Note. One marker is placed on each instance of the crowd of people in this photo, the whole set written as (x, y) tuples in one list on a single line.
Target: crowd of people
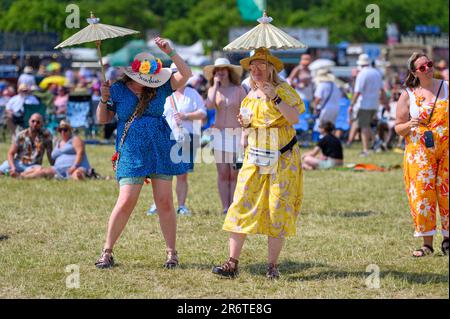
[(255, 139)]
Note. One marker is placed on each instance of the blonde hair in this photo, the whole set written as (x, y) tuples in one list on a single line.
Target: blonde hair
[(274, 78), (411, 80)]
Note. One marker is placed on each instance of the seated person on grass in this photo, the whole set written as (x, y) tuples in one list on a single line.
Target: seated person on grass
[(328, 152), (69, 156), (27, 151)]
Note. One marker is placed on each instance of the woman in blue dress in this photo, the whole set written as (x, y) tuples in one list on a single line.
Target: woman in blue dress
[(147, 150)]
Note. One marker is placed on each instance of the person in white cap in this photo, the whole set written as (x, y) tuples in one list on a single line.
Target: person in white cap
[(27, 77), (144, 145), (366, 98), (15, 108), (225, 95)]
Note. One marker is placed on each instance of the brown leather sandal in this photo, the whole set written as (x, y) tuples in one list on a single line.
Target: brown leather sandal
[(423, 251), (106, 259), (172, 259), (272, 271), (227, 270)]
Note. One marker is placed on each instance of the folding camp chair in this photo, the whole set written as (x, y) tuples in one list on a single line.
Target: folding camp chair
[(78, 109), (30, 109)]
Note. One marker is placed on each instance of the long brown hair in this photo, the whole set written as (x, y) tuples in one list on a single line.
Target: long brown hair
[(235, 80), (411, 80), (148, 93)]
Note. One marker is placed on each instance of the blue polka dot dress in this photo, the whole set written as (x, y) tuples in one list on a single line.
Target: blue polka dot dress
[(148, 144)]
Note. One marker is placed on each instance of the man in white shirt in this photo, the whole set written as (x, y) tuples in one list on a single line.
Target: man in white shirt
[(367, 94), (326, 98), (15, 107)]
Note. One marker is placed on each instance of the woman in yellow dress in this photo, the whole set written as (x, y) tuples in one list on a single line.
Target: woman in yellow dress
[(269, 190)]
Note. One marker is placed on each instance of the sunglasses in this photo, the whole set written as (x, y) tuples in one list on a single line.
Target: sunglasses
[(261, 67), (422, 68), (63, 130), (35, 121)]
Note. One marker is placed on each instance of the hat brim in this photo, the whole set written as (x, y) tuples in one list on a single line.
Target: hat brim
[(270, 58), (324, 78), (149, 80), (236, 71), (359, 62)]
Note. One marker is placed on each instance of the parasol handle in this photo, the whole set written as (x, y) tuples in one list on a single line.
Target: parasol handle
[(99, 52)]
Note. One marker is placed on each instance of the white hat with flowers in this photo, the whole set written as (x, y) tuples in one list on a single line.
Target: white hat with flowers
[(148, 70)]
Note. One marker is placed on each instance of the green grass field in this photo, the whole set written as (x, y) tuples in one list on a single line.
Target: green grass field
[(348, 222)]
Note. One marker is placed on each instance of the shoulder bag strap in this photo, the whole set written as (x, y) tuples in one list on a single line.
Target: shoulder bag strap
[(328, 98), (127, 127), (435, 101)]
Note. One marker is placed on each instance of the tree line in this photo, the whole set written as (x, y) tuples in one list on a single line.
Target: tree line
[(186, 21)]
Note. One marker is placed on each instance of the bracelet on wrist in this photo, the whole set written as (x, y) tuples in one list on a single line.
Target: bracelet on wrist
[(277, 100), (172, 53)]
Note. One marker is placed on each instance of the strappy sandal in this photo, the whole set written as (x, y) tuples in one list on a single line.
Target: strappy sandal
[(444, 246), (227, 270), (272, 271), (106, 259), (423, 251), (172, 259)]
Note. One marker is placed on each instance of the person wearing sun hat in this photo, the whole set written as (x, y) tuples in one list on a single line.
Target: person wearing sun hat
[(225, 95), (14, 109), (268, 194), (326, 98), (144, 145)]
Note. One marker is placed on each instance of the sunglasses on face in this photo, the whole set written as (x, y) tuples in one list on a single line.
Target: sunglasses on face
[(423, 67), (261, 67), (63, 130)]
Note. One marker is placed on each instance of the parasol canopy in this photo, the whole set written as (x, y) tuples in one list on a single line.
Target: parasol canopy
[(96, 32), (265, 35)]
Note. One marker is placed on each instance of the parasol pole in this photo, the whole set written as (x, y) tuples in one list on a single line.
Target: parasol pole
[(265, 52), (99, 53)]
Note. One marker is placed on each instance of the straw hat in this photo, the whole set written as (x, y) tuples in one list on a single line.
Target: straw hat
[(235, 70), (363, 59), (64, 124), (262, 54), (148, 71), (324, 75), (23, 88)]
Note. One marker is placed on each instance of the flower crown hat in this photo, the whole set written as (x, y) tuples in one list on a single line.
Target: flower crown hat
[(148, 70)]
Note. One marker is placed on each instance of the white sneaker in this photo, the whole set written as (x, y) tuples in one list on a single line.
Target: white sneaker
[(152, 210), (183, 211)]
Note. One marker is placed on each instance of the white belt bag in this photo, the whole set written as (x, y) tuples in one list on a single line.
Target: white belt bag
[(262, 157)]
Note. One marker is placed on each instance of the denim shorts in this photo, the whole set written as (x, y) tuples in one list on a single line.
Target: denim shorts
[(328, 163), (20, 167), (140, 180)]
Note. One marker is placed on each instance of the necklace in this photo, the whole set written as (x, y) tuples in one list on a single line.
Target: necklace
[(420, 98)]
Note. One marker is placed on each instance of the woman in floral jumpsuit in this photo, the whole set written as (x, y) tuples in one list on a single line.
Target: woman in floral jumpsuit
[(425, 163)]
